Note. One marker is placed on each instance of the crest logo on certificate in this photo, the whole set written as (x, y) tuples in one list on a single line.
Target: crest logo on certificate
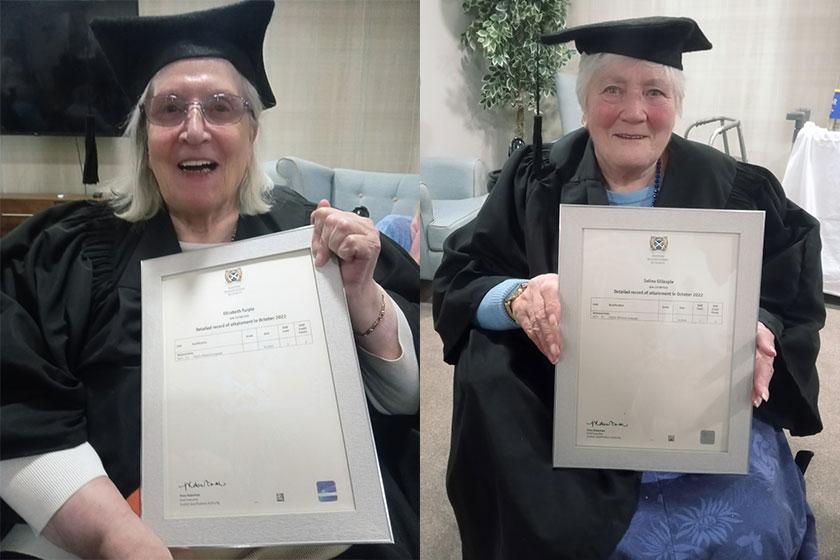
[(658, 242), (233, 275)]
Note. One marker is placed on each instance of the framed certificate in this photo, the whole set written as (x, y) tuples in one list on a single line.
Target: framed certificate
[(659, 312), (255, 422)]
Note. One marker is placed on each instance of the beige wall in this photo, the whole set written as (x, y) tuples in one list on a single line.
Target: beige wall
[(769, 57), (344, 72), (451, 122)]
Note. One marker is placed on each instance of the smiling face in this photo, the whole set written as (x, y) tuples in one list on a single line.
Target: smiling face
[(199, 166), (630, 113)]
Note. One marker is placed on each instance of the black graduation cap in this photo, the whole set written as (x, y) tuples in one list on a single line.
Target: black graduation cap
[(137, 47), (657, 39)]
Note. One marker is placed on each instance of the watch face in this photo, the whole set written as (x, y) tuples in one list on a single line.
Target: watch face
[(512, 297)]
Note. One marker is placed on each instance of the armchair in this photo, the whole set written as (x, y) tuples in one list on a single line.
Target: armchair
[(452, 192), (381, 193)]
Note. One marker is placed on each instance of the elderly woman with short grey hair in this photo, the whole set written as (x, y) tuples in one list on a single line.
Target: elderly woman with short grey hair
[(71, 291), (590, 64), (497, 308)]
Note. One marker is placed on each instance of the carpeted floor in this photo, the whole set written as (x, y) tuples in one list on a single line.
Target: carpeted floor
[(439, 533)]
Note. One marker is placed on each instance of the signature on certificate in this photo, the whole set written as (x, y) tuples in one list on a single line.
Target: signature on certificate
[(607, 424), (193, 484)]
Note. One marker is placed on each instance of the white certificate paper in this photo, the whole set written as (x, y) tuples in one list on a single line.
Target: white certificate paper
[(659, 317), (255, 425), (247, 382), (648, 316)]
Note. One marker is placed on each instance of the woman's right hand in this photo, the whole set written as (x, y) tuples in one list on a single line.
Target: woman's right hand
[(537, 311)]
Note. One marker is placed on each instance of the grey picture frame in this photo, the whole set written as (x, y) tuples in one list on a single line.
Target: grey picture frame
[(568, 451), (369, 521)]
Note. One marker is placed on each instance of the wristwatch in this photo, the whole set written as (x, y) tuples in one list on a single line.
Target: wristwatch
[(512, 297)]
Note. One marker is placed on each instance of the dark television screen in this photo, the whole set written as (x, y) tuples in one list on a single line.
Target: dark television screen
[(52, 73)]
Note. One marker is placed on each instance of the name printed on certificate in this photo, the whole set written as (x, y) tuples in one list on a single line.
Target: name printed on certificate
[(251, 424), (656, 307)]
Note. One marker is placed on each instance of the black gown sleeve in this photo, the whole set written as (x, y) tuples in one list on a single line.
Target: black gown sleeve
[(50, 284), (481, 254), (508, 499), (791, 303)]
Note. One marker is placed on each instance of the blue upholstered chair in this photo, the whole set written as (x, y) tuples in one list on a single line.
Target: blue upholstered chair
[(381, 193), (451, 194)]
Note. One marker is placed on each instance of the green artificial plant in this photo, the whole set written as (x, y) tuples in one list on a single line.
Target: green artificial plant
[(507, 33)]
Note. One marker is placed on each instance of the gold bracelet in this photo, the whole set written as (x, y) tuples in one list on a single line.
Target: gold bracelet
[(378, 318)]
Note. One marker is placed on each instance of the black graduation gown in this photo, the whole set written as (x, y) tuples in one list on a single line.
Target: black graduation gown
[(71, 343), (508, 500)]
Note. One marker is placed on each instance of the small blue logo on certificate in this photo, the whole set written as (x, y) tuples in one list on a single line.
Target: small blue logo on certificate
[(326, 491)]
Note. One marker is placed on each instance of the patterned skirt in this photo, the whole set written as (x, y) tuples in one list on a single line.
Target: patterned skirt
[(761, 515)]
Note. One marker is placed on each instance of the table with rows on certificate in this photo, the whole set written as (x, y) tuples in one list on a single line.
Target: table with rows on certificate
[(630, 309), (244, 340)]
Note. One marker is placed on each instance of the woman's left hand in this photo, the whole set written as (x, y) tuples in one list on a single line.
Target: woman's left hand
[(765, 353), (355, 240)]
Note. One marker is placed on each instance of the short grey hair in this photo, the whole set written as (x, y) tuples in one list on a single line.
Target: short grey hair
[(137, 196), (591, 63)]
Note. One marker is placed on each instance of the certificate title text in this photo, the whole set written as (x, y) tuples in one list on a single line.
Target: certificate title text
[(239, 317), (658, 287)]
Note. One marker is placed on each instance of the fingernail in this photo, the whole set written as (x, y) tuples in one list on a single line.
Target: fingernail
[(757, 402), (552, 320), (554, 350), (765, 395)]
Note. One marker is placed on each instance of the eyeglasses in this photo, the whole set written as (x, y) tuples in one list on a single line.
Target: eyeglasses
[(218, 108)]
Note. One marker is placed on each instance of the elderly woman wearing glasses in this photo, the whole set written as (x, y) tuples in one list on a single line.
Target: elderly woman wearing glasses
[(497, 309), (71, 300)]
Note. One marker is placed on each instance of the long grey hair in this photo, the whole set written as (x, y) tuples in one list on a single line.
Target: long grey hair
[(137, 196)]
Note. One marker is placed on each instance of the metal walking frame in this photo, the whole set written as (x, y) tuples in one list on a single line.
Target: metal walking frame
[(726, 124)]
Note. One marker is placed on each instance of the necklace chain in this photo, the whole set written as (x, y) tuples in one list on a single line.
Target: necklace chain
[(657, 181)]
